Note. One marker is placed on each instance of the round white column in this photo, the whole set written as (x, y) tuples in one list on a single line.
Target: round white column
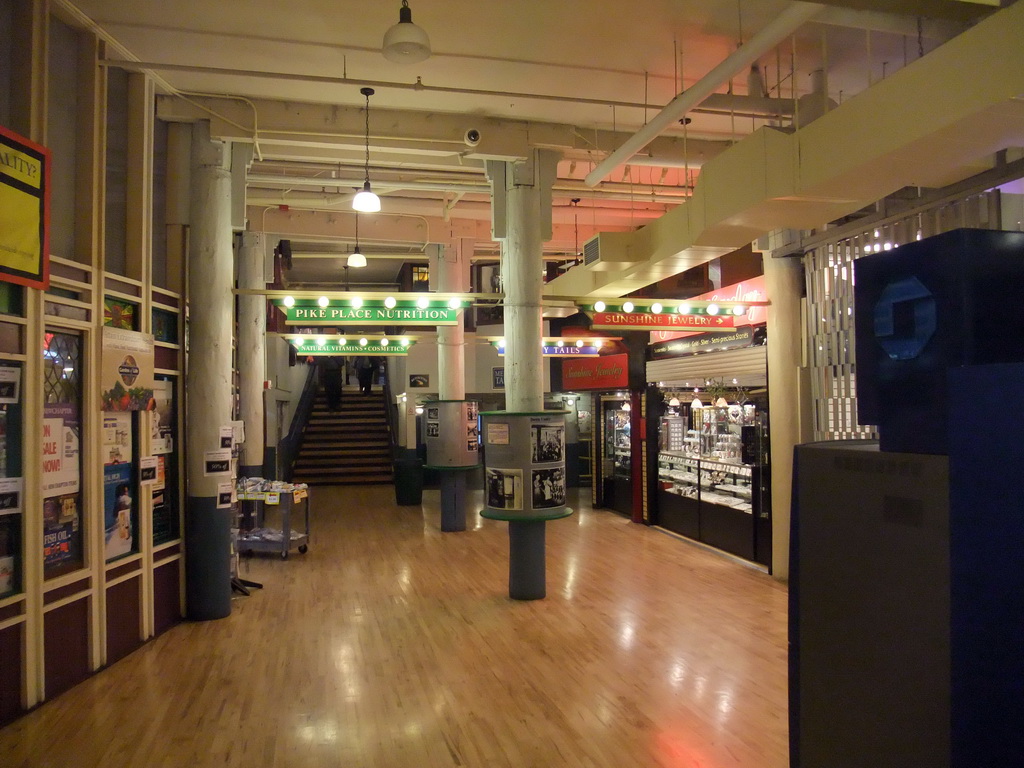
[(783, 284), (252, 349), (208, 383)]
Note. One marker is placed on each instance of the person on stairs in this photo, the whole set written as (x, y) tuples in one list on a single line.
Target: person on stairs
[(366, 367), (331, 371)]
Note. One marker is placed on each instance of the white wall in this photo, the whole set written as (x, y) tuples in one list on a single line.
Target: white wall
[(286, 385)]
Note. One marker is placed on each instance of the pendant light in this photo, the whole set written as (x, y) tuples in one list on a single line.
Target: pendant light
[(405, 43), (356, 258), (366, 201)]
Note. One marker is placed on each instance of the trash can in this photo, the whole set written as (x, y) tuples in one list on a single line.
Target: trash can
[(408, 482)]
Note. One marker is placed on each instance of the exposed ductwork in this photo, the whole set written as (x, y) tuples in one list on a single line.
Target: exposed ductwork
[(743, 57)]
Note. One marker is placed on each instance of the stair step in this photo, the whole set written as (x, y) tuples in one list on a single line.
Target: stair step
[(330, 462)]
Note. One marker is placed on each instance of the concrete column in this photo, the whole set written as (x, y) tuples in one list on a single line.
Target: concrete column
[(522, 276), (783, 284), (252, 349), (523, 190), (208, 385), (450, 265)]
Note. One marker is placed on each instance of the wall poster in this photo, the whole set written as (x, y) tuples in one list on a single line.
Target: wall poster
[(127, 371), (119, 507), (63, 550), (24, 211)]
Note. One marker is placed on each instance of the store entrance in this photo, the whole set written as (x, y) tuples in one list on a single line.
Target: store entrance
[(616, 454)]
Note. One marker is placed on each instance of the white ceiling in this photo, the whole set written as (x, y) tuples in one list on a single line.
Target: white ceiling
[(539, 61)]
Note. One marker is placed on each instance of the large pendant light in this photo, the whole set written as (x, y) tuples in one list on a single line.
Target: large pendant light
[(356, 258), (366, 201), (405, 42)]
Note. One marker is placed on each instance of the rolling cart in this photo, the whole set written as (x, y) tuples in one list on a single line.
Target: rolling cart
[(255, 495)]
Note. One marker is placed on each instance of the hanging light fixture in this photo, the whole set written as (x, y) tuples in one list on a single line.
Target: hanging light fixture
[(356, 258), (405, 43), (366, 201)]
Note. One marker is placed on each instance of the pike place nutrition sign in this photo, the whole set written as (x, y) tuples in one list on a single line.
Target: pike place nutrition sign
[(313, 315)]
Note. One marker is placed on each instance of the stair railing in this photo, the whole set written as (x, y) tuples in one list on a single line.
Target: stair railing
[(289, 448), (391, 409)]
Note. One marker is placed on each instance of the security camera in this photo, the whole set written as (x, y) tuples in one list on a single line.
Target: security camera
[(472, 137)]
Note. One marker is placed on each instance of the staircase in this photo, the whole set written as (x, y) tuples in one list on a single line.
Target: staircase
[(346, 447)]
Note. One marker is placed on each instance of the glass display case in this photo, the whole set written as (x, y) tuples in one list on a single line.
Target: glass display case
[(712, 482), (617, 448)]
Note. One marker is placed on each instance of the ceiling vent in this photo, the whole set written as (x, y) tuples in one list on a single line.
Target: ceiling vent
[(608, 251)]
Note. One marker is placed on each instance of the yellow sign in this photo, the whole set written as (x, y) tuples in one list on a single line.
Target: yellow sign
[(24, 211)]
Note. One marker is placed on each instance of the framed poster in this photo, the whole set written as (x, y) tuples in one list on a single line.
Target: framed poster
[(24, 211), (419, 380)]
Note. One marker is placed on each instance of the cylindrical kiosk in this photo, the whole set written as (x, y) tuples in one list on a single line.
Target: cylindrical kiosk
[(524, 483), (453, 450)]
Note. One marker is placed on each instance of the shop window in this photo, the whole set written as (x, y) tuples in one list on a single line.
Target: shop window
[(62, 461), (120, 314), (420, 278), (165, 326), (11, 490), (164, 445)]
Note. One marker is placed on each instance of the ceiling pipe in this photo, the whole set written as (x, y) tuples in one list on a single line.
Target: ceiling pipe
[(615, 191), (777, 30)]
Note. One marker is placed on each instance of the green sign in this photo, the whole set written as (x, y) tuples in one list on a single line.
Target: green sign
[(335, 315), (331, 348)]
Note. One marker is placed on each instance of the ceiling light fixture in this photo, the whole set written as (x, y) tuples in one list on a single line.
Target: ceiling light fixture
[(355, 258), (366, 201), (405, 43)]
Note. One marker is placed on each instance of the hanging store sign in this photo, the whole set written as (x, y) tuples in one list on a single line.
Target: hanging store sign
[(24, 211), (330, 348), (752, 290), (648, 321), (370, 315), (703, 342), (608, 372), (569, 350)]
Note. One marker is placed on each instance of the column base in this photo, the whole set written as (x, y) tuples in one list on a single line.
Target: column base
[(527, 575), (207, 560), (453, 501)]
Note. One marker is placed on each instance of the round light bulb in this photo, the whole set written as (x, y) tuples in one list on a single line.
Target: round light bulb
[(684, 309), (419, 410), (323, 301), (599, 306), (712, 309), (454, 302), (390, 302), (363, 341), (422, 302), (656, 308), (404, 342), (739, 309), (385, 342), (598, 343), (501, 343), (627, 307), (321, 341), (289, 301), (356, 302), (559, 343), (299, 341), (342, 341), (579, 342)]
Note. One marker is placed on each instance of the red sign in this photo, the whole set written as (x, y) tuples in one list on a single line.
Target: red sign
[(748, 290), (608, 372), (646, 321)]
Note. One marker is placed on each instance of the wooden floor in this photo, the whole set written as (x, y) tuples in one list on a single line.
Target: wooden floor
[(392, 645)]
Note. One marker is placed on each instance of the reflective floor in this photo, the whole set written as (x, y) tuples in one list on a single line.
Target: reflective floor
[(392, 645)]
